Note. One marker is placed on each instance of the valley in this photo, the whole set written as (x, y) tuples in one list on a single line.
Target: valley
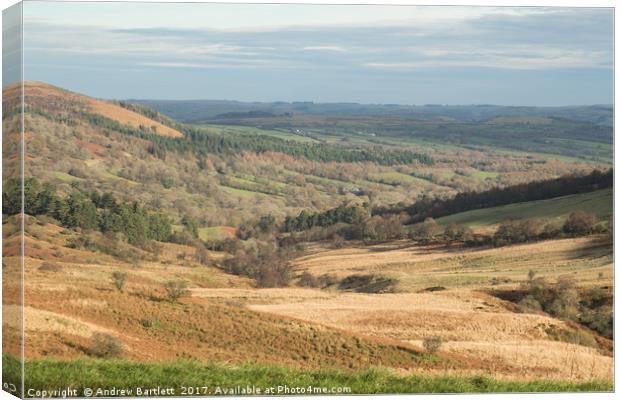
[(375, 247)]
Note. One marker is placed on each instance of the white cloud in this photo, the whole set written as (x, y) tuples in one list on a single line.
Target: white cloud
[(431, 37), (337, 49), (516, 57), (254, 63)]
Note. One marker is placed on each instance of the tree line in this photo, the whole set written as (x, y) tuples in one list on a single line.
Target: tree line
[(202, 143), (537, 190), (306, 220), (93, 211)]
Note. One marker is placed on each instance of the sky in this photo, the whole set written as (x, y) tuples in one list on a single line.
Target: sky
[(322, 53)]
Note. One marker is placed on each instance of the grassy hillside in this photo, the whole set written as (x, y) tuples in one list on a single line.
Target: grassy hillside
[(213, 379), (599, 202), (103, 264), (138, 154)]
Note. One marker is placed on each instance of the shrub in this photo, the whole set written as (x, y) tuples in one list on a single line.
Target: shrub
[(106, 346), (50, 267), (276, 275), (337, 241), (601, 320), (265, 261), (202, 256), (368, 284), (530, 275), (176, 289), (118, 279), (530, 304), (327, 280), (308, 280), (432, 344), (433, 289), (107, 244), (499, 280), (552, 230)]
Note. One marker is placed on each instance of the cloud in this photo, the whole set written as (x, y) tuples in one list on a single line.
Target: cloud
[(253, 63), (337, 49), (441, 42), (513, 57), (529, 39)]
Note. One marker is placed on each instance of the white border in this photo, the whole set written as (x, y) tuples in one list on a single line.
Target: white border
[(532, 3)]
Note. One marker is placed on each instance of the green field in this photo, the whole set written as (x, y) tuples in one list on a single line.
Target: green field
[(599, 202), (484, 174), (249, 130), (239, 192), (212, 233), (106, 374), (63, 176), (398, 178)]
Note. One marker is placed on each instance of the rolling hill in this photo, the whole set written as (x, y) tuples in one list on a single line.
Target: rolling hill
[(557, 209), (225, 175), (550, 130), (158, 245)]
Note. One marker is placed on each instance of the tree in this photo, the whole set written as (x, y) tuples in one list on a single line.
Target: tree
[(176, 289), (118, 279), (382, 228), (190, 225), (265, 261), (458, 232), (425, 231), (267, 223), (580, 223), (202, 256), (518, 231)]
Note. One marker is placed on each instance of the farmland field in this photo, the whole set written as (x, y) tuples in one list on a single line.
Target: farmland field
[(557, 209)]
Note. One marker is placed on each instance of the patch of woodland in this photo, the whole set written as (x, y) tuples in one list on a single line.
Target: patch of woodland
[(563, 298)]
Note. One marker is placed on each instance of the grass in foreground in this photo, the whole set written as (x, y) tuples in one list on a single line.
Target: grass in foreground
[(106, 374)]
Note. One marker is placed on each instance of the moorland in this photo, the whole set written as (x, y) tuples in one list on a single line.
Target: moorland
[(382, 247)]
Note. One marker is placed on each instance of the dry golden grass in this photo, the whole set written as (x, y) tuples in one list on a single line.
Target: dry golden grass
[(473, 324), (512, 346), (519, 361), (64, 307), (419, 267), (36, 320), (415, 316), (128, 117), (43, 91), (226, 319)]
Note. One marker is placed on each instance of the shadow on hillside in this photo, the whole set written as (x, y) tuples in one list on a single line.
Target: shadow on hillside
[(595, 247)]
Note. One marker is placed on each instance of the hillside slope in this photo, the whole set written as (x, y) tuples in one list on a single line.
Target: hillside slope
[(160, 243), (48, 98), (226, 175), (70, 297), (599, 202)]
